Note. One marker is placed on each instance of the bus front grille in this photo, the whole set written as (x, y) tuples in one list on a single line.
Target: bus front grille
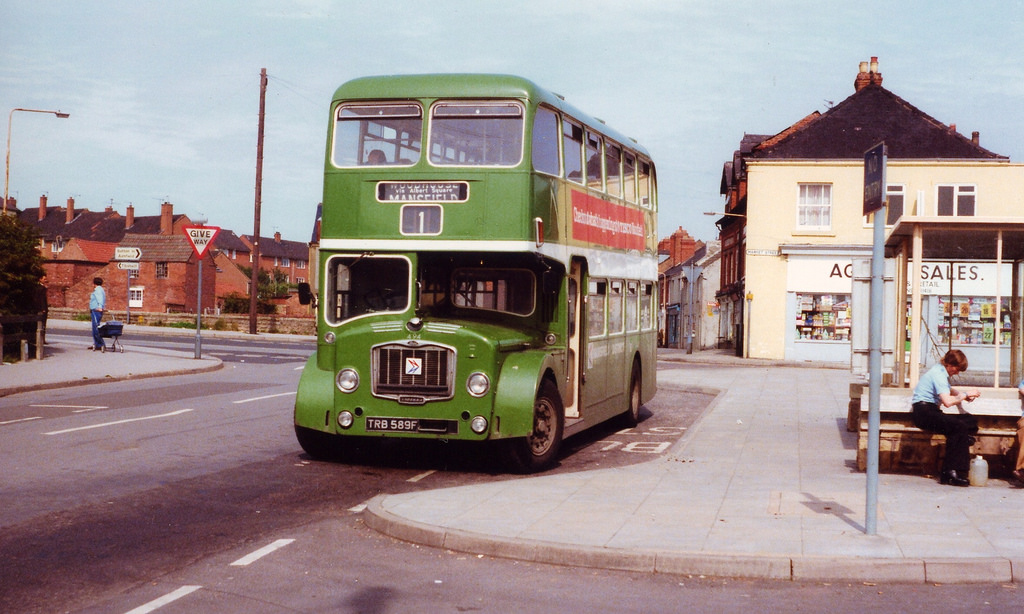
[(413, 374)]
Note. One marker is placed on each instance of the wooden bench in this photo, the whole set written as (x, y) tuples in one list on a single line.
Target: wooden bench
[(904, 448)]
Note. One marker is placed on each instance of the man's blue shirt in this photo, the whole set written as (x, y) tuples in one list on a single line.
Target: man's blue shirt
[(933, 383)]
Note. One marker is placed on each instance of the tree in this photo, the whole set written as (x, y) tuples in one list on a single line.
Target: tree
[(21, 267)]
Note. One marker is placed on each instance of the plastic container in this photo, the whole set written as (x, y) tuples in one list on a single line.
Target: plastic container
[(978, 473)]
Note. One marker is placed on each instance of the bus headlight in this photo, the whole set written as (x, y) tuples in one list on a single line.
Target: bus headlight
[(478, 424), (345, 419), (347, 380), (478, 384)]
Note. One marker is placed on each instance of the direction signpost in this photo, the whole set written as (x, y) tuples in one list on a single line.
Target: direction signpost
[(201, 238), (127, 259)]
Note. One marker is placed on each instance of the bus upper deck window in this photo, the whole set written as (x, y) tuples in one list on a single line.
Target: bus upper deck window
[(595, 179), (476, 134), (545, 142), (629, 176), (572, 144), (644, 184), (613, 168), (377, 135)]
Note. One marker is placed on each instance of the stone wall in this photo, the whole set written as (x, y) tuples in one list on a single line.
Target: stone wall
[(235, 322)]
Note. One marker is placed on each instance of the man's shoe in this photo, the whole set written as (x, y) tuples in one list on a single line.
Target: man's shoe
[(1019, 474), (950, 477)]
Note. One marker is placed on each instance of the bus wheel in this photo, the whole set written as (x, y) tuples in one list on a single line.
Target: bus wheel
[(631, 417), (319, 445), (539, 450)]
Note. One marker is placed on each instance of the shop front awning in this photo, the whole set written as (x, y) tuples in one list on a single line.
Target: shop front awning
[(915, 239)]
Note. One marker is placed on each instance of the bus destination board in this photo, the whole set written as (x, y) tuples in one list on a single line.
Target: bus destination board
[(423, 191)]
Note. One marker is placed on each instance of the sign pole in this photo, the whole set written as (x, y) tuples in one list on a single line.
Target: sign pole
[(128, 297), (201, 238), (874, 202), (199, 312)]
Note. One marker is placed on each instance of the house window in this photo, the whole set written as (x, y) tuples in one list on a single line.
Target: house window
[(814, 206), (135, 297), (161, 270), (895, 195), (285, 262), (955, 200), (300, 264)]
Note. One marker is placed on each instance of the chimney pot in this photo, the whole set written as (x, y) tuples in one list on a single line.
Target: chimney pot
[(863, 78), (42, 207)]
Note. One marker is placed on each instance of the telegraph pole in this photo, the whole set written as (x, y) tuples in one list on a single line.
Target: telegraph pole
[(255, 279)]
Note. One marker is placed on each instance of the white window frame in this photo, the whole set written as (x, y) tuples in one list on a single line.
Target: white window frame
[(135, 296), (960, 190), (803, 209), (892, 189)]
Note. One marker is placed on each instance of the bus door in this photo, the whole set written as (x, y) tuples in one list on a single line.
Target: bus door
[(574, 353)]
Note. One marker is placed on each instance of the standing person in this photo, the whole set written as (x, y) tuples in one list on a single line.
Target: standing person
[(932, 390), (97, 303)]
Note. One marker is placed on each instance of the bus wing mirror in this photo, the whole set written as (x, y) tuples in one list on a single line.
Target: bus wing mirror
[(305, 294)]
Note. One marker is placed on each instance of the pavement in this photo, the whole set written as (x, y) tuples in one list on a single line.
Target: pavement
[(763, 486)]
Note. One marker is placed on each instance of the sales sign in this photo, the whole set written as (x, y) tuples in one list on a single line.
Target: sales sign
[(201, 237)]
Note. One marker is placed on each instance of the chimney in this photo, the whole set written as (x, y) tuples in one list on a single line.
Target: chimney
[(976, 137), (129, 217), (42, 206), (876, 77), (71, 210), (277, 237), (868, 75), (166, 218), (863, 79)]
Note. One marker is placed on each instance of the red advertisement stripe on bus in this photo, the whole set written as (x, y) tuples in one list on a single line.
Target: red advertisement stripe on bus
[(598, 221)]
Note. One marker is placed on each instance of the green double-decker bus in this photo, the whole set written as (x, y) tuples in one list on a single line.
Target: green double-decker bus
[(487, 269)]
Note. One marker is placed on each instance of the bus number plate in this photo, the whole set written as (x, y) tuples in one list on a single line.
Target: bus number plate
[(400, 425)]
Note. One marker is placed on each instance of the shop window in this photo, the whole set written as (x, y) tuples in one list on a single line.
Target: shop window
[(973, 321), (814, 206), (823, 317)]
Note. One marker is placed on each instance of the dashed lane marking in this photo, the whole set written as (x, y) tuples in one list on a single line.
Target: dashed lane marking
[(116, 422), (168, 598), (262, 552), (418, 477), (269, 396)]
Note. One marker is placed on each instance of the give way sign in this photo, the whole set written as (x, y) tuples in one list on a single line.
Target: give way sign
[(201, 238)]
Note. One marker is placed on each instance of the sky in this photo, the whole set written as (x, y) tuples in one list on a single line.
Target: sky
[(163, 97)]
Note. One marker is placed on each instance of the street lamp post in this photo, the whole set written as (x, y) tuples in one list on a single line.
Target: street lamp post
[(7, 163)]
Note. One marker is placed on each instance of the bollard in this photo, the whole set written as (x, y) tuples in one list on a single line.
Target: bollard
[(24, 350)]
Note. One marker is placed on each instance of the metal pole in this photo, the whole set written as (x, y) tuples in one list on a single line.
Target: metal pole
[(875, 360), (128, 297), (199, 312)]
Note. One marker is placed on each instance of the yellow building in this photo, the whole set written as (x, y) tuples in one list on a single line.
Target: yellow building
[(804, 222)]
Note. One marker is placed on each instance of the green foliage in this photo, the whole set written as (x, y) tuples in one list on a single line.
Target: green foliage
[(239, 303), (271, 284), (21, 267)]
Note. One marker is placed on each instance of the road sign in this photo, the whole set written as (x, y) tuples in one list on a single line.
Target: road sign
[(201, 238), (128, 266), (874, 178), (127, 253)]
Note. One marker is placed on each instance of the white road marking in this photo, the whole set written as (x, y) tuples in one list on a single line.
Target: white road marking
[(75, 409), (417, 478), (262, 552), (269, 396), (21, 420), (168, 598), (96, 426)]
